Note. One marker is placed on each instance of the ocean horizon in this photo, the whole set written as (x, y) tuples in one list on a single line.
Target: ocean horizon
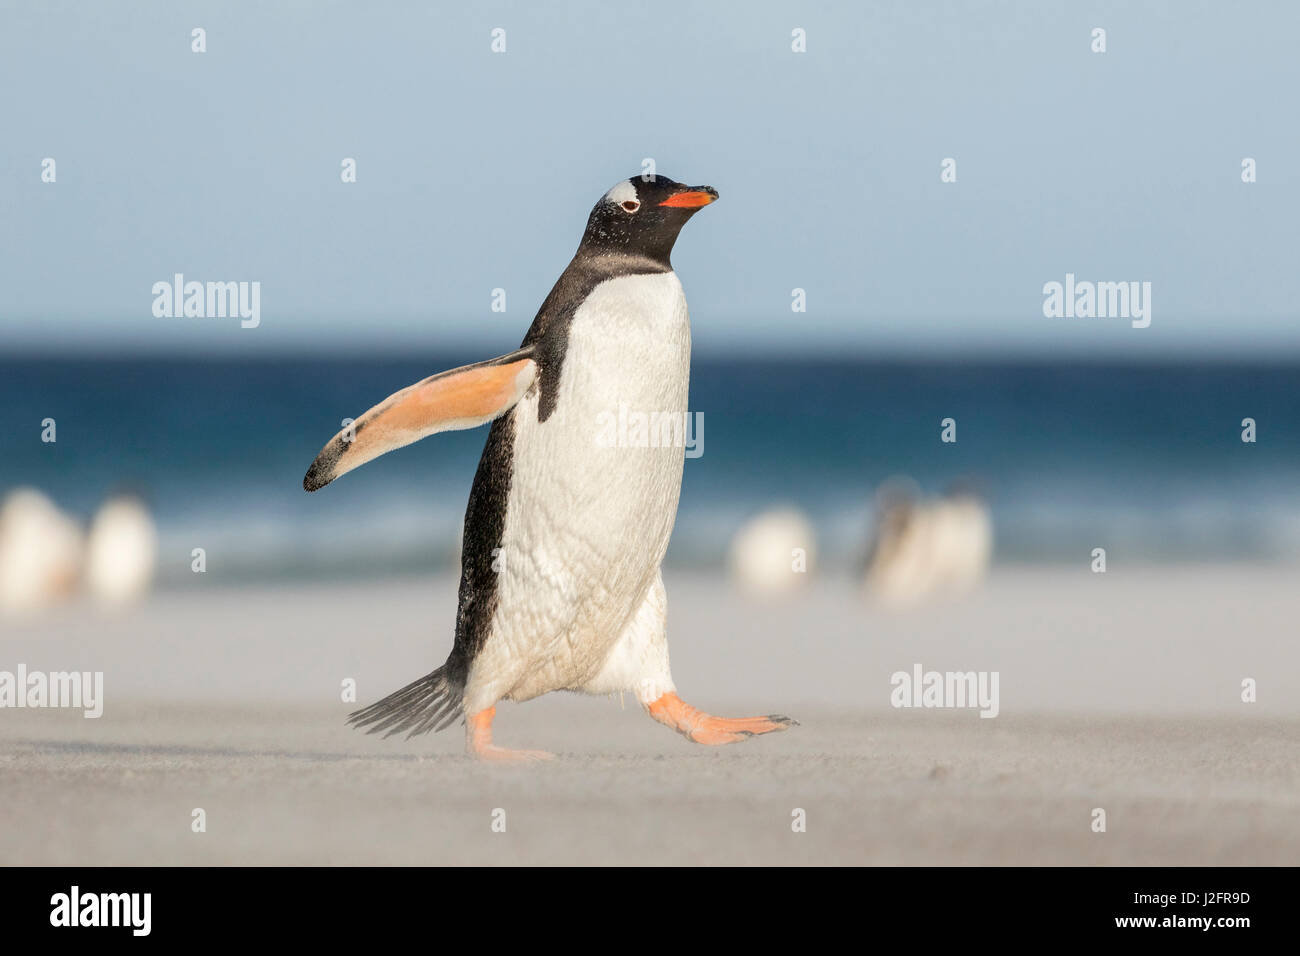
[(1144, 459)]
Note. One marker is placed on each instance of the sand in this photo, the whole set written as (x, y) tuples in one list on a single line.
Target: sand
[(1119, 691)]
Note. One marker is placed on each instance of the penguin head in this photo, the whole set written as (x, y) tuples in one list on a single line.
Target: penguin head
[(640, 218)]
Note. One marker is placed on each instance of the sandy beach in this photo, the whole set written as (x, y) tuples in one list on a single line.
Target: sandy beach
[(1119, 691)]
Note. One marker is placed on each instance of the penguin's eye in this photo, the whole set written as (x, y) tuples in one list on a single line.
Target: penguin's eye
[(631, 205)]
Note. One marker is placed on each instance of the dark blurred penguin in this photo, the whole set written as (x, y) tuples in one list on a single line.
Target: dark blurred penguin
[(927, 548)]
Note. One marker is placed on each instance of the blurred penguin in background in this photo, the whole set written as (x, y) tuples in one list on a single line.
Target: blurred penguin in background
[(40, 552), (121, 551), (964, 541), (899, 566), (773, 553), (924, 549)]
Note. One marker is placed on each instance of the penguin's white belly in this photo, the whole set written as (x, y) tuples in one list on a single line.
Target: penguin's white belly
[(593, 493)]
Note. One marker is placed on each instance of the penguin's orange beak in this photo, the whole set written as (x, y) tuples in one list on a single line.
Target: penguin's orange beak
[(692, 198)]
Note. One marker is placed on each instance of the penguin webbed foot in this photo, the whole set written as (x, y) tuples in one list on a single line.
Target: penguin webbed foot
[(478, 742), (701, 728)]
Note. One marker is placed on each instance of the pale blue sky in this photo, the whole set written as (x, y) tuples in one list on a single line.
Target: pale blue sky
[(477, 170)]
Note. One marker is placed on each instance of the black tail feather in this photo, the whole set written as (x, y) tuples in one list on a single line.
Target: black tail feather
[(431, 703)]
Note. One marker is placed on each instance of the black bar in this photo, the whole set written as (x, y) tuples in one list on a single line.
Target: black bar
[(325, 904)]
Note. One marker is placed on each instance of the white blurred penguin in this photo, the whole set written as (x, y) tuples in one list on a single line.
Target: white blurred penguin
[(773, 553), (40, 552), (963, 539), (121, 551)]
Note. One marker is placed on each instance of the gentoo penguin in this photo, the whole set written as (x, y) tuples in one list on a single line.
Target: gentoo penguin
[(121, 551), (927, 548), (773, 554), (566, 527), (900, 566), (41, 552), (966, 538)]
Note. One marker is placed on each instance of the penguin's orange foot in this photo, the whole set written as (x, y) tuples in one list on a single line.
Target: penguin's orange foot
[(478, 742), (703, 728)]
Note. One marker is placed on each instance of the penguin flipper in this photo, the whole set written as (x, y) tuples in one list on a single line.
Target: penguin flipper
[(463, 397)]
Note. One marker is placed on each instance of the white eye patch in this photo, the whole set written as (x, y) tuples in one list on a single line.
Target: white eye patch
[(624, 192)]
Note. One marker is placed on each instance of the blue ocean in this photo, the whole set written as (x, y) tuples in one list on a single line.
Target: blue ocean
[(1145, 460)]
